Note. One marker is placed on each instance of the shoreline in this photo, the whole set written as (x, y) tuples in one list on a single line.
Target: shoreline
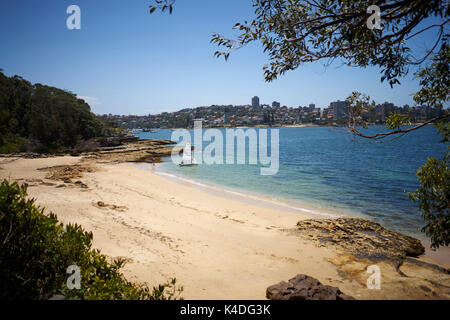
[(304, 210), (309, 208), (217, 248), (264, 126), (251, 198)]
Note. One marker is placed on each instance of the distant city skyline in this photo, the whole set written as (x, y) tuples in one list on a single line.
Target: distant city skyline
[(125, 61), (337, 105), (253, 115)]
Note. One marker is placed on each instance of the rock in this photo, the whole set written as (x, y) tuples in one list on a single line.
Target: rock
[(47, 183), (58, 297), (162, 141), (68, 172), (303, 287), (81, 184), (117, 140), (101, 204), (425, 288), (136, 151), (361, 237)]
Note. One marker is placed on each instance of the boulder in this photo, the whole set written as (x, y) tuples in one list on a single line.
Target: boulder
[(303, 287)]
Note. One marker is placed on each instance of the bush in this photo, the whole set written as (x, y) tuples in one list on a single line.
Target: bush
[(12, 144), (36, 250), (433, 196)]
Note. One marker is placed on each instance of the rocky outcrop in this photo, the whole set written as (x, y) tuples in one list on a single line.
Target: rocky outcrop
[(361, 237), (137, 151), (150, 151), (118, 140), (67, 173), (303, 287), (361, 245)]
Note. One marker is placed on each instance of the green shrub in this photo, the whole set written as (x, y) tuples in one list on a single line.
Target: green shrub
[(13, 144), (433, 196), (35, 251)]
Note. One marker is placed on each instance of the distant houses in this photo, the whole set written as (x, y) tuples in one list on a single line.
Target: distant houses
[(263, 114)]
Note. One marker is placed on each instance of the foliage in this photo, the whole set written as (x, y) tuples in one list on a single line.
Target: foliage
[(444, 129), (36, 251), (358, 104), (13, 144), (435, 79), (435, 89), (43, 119), (433, 196), (396, 120), (295, 32)]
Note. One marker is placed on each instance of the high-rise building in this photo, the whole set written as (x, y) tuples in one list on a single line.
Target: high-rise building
[(275, 104), (383, 110), (226, 116), (312, 106), (339, 109), (255, 102)]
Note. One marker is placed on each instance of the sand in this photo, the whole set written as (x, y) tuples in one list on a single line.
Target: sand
[(217, 248)]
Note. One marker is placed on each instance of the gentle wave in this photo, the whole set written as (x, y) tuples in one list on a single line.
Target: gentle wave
[(219, 189)]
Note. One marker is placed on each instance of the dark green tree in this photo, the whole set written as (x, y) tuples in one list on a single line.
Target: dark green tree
[(43, 118)]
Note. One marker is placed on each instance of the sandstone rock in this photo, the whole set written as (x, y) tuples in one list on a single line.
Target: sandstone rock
[(361, 237), (150, 151), (81, 184), (303, 287), (68, 172)]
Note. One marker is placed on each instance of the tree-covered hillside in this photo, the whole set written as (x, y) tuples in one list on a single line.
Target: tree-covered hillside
[(40, 118)]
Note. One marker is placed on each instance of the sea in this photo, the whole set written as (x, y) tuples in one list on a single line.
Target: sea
[(327, 171)]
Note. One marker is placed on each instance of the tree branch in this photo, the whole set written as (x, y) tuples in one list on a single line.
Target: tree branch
[(382, 135)]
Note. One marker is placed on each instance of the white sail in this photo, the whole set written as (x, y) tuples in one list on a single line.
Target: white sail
[(187, 154)]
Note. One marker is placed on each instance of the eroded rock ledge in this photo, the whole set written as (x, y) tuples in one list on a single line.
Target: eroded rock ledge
[(363, 238), (360, 244), (136, 151), (125, 149)]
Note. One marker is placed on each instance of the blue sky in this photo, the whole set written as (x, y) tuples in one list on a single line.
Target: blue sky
[(126, 61)]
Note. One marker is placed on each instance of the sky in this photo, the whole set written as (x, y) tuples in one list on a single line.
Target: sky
[(125, 61)]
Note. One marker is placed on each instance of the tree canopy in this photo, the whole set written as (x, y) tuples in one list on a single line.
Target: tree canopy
[(295, 32), (42, 118)]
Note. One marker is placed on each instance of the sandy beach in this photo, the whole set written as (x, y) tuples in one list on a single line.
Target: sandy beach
[(217, 248)]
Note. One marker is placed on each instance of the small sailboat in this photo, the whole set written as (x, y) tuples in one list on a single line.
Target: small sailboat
[(149, 130), (188, 158)]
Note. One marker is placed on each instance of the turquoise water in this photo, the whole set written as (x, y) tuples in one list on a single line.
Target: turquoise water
[(328, 168)]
